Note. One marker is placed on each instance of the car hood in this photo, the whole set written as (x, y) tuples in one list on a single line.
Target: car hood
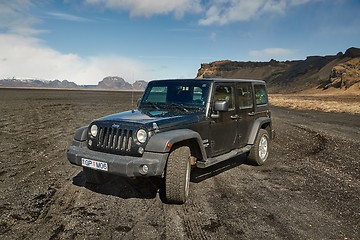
[(161, 119)]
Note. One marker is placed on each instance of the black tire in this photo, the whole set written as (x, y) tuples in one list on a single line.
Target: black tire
[(260, 150), (95, 177), (177, 175)]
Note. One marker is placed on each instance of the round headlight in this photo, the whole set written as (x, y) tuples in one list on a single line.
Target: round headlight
[(141, 135), (94, 130)]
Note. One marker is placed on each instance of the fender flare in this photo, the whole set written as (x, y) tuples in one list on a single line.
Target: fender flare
[(160, 141), (81, 134), (255, 128)]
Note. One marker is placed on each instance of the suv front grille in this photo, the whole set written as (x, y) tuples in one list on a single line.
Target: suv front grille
[(115, 138)]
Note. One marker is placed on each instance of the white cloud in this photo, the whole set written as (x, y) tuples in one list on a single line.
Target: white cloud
[(68, 17), (15, 17), (223, 12), (272, 52), (27, 57), (149, 8)]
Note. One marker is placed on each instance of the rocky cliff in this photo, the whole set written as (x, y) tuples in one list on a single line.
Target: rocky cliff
[(322, 72), (344, 75)]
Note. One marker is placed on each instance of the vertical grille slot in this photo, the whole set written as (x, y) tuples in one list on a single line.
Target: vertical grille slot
[(101, 137), (124, 138), (118, 139), (115, 139)]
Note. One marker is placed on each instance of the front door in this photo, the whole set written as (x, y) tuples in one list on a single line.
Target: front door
[(223, 129)]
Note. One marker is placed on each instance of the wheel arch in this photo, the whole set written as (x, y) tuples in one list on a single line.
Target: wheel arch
[(260, 123), (165, 141)]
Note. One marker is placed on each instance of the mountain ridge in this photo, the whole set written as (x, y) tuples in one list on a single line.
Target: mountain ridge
[(315, 72), (110, 82)]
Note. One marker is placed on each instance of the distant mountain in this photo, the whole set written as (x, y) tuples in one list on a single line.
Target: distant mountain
[(321, 72), (139, 85), (116, 83), (37, 83)]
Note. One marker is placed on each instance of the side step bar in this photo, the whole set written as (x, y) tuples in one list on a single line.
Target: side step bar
[(211, 161)]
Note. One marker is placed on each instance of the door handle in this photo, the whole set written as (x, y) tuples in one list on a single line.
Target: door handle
[(251, 113), (235, 117)]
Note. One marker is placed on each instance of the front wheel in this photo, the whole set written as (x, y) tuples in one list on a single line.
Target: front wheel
[(260, 151), (177, 175)]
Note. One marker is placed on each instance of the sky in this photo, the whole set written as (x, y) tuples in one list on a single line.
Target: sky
[(86, 40)]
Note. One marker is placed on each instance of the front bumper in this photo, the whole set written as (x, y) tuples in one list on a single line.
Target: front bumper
[(126, 166)]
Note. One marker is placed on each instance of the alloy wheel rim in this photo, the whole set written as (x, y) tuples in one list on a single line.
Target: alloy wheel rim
[(187, 178), (263, 148)]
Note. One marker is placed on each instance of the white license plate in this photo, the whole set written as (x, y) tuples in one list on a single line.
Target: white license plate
[(94, 164)]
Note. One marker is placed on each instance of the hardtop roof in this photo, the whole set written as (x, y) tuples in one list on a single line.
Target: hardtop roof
[(213, 80)]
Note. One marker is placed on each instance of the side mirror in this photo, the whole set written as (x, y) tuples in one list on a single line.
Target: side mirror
[(220, 106)]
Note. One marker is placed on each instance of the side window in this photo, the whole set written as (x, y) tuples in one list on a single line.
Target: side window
[(244, 95), (225, 93), (260, 94)]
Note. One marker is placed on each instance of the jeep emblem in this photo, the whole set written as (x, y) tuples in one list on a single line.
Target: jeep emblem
[(115, 126)]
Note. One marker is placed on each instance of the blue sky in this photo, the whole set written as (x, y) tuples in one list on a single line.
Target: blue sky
[(86, 40)]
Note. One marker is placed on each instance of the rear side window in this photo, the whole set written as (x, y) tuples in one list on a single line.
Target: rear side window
[(244, 95), (260, 94)]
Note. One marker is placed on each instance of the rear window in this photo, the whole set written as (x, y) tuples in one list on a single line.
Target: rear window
[(260, 95), (245, 95)]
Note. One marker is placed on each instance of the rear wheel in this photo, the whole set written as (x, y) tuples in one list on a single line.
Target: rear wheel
[(95, 177), (177, 175), (260, 151)]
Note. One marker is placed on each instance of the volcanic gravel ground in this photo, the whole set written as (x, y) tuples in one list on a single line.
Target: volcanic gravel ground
[(308, 189)]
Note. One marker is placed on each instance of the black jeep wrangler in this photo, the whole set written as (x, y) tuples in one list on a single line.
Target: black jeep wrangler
[(178, 124)]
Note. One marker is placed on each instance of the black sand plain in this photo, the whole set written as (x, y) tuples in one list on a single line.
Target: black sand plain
[(309, 188)]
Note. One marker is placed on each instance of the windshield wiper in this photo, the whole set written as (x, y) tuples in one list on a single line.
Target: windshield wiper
[(197, 108), (154, 105), (179, 106)]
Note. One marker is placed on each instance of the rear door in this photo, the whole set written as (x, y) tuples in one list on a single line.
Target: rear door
[(261, 100), (223, 130), (245, 111)]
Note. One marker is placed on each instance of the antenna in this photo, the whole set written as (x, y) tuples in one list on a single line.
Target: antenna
[(132, 91), (132, 98)]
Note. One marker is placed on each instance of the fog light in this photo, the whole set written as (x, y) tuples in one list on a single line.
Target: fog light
[(90, 142), (141, 150), (144, 169)]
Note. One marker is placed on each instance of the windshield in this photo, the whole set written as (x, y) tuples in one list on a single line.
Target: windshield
[(181, 95)]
